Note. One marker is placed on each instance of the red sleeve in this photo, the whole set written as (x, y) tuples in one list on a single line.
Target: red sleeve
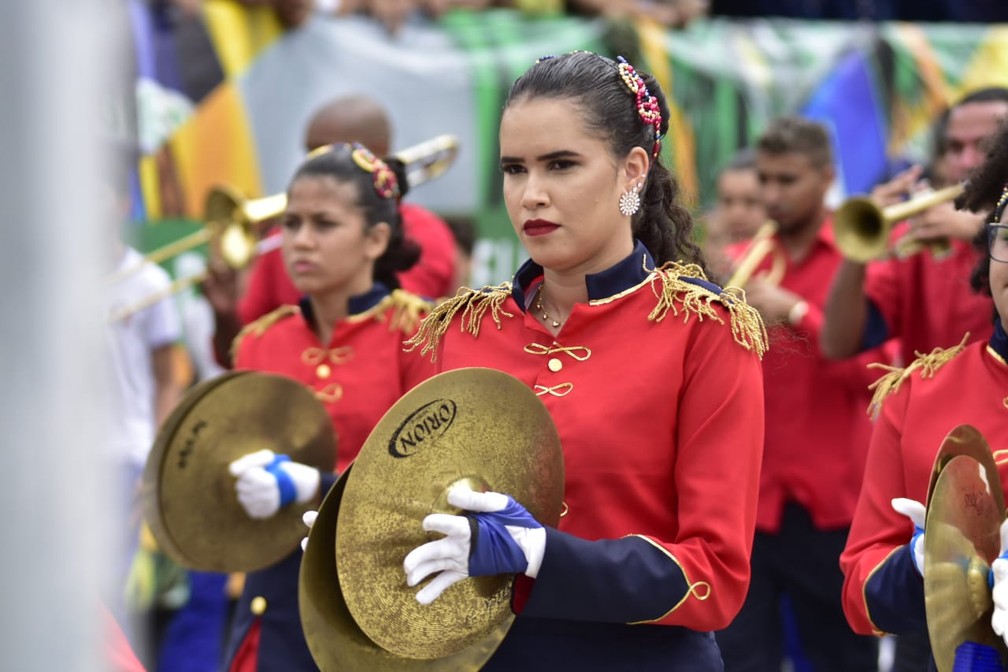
[(877, 531), (433, 276), (719, 452), (268, 288), (118, 651), (882, 288)]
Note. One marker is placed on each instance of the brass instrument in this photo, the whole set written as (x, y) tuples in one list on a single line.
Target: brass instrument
[(760, 246), (187, 491), (965, 508), (234, 222), (862, 228), (474, 425)]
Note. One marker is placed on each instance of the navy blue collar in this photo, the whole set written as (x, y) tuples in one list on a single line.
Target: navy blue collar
[(358, 304), (999, 341), (630, 272)]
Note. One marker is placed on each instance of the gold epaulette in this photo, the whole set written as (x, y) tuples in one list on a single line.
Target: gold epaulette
[(407, 310), (474, 304), (891, 381), (697, 299), (258, 327)]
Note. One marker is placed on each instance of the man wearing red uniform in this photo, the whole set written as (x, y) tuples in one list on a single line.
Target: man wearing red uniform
[(917, 407), (924, 300), (816, 431)]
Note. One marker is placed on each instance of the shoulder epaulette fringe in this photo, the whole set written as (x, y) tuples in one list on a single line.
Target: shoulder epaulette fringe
[(696, 299), (407, 310), (891, 381), (473, 303), (259, 327)]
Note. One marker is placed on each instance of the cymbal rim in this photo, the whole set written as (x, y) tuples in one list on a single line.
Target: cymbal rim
[(153, 468)]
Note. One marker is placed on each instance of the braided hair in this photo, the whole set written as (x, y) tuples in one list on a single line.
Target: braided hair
[(610, 108), (379, 191)]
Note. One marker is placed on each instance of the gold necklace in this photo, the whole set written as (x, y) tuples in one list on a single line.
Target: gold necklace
[(539, 306)]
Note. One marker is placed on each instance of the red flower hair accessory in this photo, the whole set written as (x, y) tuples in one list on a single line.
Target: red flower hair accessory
[(647, 105), (385, 183)]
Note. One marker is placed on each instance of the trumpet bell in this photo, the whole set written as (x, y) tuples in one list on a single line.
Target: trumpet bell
[(861, 230), (188, 493), (238, 221)]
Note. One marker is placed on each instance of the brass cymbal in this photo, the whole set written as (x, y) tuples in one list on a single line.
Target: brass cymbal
[(961, 539), (967, 440), (152, 468), (335, 640), (478, 425), (189, 495)]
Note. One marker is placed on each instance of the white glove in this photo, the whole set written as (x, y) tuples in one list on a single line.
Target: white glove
[(308, 517), (267, 481), (999, 569), (508, 540), (916, 512)]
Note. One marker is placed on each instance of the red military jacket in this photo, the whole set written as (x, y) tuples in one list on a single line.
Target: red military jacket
[(882, 591), (655, 388), (358, 375)]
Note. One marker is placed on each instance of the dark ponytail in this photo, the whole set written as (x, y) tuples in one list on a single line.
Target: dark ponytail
[(401, 253), (609, 108)]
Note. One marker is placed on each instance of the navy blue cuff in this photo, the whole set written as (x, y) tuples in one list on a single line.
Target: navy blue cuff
[(326, 480), (894, 595), (624, 580), (876, 331)]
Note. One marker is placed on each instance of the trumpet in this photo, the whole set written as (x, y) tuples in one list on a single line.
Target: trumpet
[(760, 246), (234, 223), (862, 228)]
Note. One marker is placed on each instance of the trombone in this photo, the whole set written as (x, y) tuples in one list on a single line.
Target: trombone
[(233, 222), (862, 228), (760, 246)]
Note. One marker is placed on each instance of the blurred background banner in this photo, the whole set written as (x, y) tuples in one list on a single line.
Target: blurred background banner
[(224, 97)]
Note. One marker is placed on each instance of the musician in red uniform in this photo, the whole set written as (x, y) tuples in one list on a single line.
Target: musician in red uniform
[(650, 372), (916, 408), (343, 245), (348, 119), (816, 430), (924, 300)]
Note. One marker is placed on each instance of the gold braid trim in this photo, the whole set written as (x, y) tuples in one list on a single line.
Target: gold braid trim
[(258, 327), (746, 324), (407, 310), (473, 303), (928, 365)]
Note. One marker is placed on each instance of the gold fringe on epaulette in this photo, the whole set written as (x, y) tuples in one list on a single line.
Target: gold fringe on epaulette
[(259, 327), (474, 304), (927, 364), (746, 324), (407, 310)]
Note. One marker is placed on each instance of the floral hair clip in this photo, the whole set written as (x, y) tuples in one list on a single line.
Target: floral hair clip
[(545, 58), (385, 183), (647, 105), (1002, 202)]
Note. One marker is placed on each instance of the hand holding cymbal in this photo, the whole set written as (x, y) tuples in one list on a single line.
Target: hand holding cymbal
[(499, 537)]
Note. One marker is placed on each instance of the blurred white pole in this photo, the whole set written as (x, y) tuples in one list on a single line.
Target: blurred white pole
[(55, 78)]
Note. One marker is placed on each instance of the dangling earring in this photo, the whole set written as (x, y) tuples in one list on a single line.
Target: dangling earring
[(629, 201)]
